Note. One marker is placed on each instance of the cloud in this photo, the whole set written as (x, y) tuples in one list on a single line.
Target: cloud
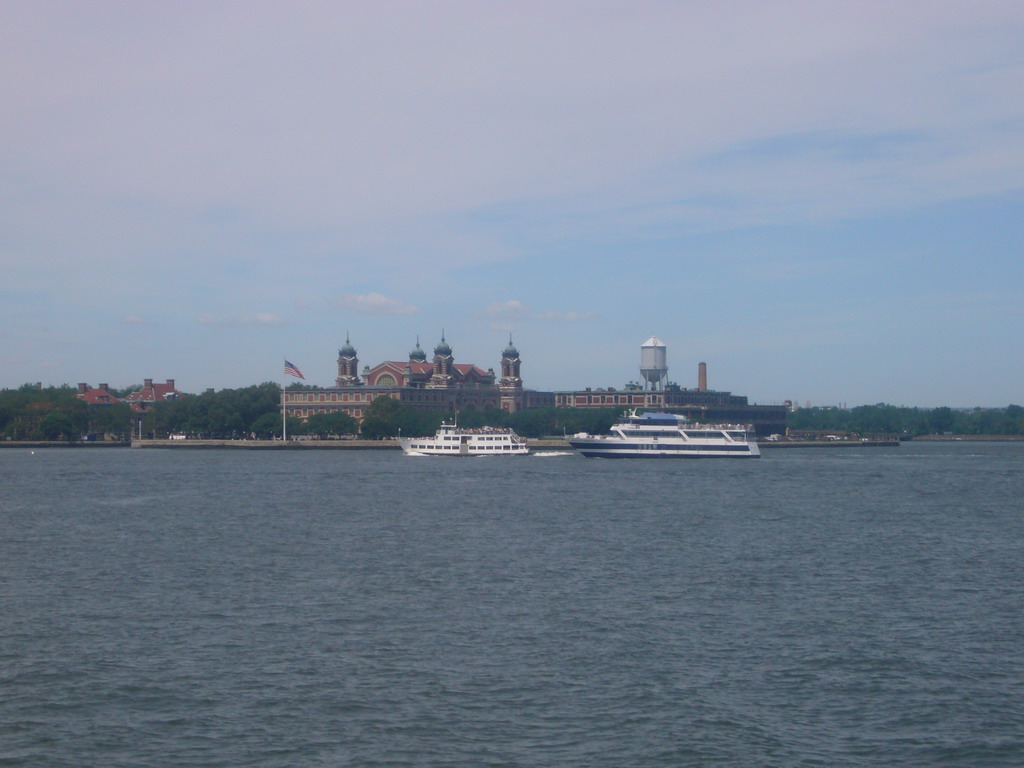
[(374, 303), (565, 317), (503, 312), (672, 84), (507, 309), (260, 318), (217, 162)]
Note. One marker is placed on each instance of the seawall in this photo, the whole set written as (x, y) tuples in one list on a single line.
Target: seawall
[(392, 445), (300, 445), (33, 444)]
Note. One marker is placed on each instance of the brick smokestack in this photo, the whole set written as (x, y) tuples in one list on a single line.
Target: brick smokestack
[(702, 377)]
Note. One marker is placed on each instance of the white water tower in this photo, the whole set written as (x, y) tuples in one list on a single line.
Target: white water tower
[(653, 361)]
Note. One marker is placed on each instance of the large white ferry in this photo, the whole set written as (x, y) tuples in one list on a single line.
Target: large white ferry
[(668, 436), (453, 440)]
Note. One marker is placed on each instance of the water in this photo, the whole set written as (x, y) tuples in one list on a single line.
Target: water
[(819, 607)]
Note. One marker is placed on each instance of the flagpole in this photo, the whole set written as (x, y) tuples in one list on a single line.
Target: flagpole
[(290, 370)]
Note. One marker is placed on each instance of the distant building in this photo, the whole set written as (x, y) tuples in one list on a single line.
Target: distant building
[(438, 384), (142, 400), (699, 404), (97, 396), (442, 384)]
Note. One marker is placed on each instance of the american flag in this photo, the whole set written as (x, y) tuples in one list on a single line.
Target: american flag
[(291, 370)]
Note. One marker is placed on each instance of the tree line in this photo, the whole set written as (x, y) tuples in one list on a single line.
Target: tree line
[(55, 413), (912, 422), (247, 413)]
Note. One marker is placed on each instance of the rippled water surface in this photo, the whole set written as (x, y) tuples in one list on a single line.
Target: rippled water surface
[(819, 607)]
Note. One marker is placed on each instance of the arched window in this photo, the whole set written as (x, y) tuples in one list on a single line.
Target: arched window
[(386, 380)]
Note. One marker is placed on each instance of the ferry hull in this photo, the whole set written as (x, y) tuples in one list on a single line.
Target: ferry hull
[(603, 451)]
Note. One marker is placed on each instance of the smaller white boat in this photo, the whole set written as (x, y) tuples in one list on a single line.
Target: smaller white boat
[(453, 440)]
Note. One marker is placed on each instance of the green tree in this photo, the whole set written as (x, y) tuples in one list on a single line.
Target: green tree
[(226, 414), (269, 426), (1015, 419), (328, 424), (112, 420), (940, 420), (56, 425), (377, 428), (387, 417), (266, 426), (534, 422)]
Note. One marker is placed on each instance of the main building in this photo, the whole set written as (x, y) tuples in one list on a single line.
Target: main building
[(437, 384), (442, 384)]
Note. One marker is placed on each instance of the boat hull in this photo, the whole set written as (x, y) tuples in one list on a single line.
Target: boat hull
[(614, 449), (414, 450)]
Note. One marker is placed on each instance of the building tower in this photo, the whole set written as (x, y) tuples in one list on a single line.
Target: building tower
[(418, 355), (444, 365), (510, 367), (348, 366), (653, 362)]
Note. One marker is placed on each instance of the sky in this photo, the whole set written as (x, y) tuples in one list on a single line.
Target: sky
[(823, 201)]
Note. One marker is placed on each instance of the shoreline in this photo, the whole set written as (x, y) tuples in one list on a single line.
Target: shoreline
[(392, 445)]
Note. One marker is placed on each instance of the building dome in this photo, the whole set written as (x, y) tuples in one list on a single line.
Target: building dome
[(348, 350), (443, 349), (417, 355), (510, 350)]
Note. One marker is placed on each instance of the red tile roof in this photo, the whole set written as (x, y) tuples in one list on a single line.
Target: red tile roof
[(152, 393), (414, 367), (465, 368), (96, 395)]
